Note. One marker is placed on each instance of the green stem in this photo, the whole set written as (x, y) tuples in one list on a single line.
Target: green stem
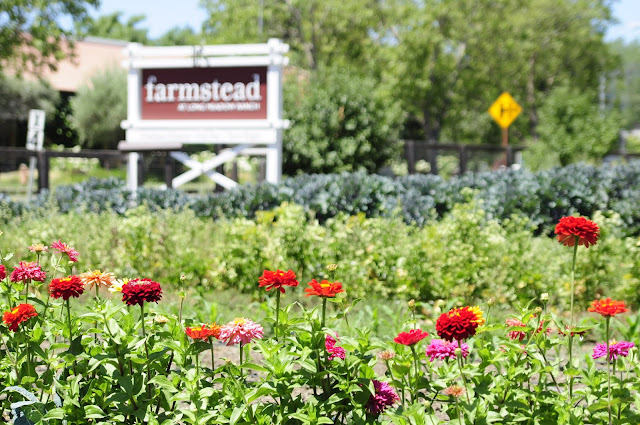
[(26, 292), (240, 365), (70, 332), (13, 360), (607, 319), (464, 380), (415, 364), (458, 409), (146, 349), (213, 362), (573, 280), (324, 310), (277, 312)]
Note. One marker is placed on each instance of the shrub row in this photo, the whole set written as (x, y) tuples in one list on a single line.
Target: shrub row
[(464, 256), (542, 197)]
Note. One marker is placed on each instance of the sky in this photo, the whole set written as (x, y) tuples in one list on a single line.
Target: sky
[(162, 15)]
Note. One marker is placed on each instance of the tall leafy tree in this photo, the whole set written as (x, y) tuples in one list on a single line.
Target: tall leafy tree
[(112, 26), (31, 35)]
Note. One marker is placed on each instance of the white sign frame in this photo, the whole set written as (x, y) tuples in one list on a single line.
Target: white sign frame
[(249, 134), (35, 142)]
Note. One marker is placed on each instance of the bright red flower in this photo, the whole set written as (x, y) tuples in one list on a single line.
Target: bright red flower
[(570, 228), (324, 288), (137, 291), (19, 314), (410, 338), (66, 287), (459, 323), (607, 307), (277, 280), (204, 332), (27, 271), (63, 248), (3, 272)]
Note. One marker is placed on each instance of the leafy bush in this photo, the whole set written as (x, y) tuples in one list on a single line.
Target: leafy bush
[(465, 255), (339, 122)]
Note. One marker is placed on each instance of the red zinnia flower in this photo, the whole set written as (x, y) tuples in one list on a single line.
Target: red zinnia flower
[(66, 287), (204, 332), (607, 307), (330, 346), (410, 338), (63, 248), (27, 271), (570, 228), (324, 288), (459, 323), (277, 279), (3, 272), (19, 314), (137, 291)]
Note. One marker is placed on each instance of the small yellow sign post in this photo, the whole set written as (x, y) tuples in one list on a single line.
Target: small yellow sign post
[(504, 111)]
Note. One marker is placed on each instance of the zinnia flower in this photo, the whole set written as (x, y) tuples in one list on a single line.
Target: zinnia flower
[(277, 280), (66, 287), (97, 278), (410, 338), (441, 349), (240, 330), (386, 355), (573, 333), (383, 398), (570, 228), (3, 272), (330, 345), (324, 288), (38, 247), (521, 334), (19, 314), (459, 323), (615, 349), (607, 307), (63, 248), (455, 391), (27, 271), (137, 291), (117, 285), (204, 332)]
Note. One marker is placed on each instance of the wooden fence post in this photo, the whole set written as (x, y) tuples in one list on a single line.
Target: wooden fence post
[(43, 171), (169, 170), (410, 153)]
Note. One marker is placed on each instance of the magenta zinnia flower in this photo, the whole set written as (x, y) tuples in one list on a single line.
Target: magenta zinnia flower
[(330, 345), (27, 271), (441, 349), (3, 272), (383, 398), (615, 349), (63, 248), (240, 330)]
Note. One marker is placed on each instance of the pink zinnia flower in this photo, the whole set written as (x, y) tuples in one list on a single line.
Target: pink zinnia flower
[(27, 271), (330, 345), (240, 330), (63, 248), (441, 349), (3, 272), (615, 349), (383, 398), (513, 335)]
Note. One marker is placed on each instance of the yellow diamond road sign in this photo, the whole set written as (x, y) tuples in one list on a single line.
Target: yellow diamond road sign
[(504, 110)]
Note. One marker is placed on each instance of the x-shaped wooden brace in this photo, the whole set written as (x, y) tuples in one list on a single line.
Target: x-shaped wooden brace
[(199, 168)]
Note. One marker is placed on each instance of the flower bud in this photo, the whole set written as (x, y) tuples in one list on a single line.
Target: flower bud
[(491, 302), (332, 267), (537, 310), (183, 277), (412, 304), (458, 352), (544, 297)]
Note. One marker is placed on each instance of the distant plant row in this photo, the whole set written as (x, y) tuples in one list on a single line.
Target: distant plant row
[(542, 197)]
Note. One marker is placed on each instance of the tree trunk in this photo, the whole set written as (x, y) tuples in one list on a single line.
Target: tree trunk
[(531, 99)]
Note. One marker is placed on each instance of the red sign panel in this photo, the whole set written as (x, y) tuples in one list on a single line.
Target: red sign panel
[(204, 93)]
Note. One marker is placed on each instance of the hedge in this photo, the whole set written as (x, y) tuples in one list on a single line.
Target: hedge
[(542, 197)]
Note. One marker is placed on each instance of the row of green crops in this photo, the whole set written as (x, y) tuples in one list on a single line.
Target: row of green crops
[(542, 197), (464, 255)]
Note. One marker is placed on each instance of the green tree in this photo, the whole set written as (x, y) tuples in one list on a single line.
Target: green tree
[(320, 32), (31, 35), (111, 26), (339, 123), (18, 96), (178, 36), (99, 107), (572, 128), (626, 82)]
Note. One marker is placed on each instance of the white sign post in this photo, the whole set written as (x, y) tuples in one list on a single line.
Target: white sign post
[(35, 141), (224, 94)]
